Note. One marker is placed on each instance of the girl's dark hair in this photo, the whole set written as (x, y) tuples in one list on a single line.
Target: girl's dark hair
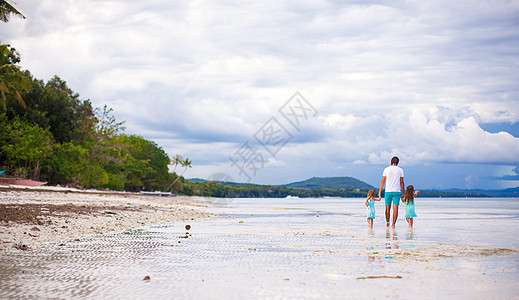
[(409, 194)]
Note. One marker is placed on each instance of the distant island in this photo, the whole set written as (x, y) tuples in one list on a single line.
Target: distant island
[(322, 187), (330, 183)]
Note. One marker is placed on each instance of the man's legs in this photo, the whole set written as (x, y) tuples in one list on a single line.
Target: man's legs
[(388, 213), (395, 215), (388, 199)]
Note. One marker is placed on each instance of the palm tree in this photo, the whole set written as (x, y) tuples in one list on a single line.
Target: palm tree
[(7, 10), (11, 77), (186, 163), (177, 159)]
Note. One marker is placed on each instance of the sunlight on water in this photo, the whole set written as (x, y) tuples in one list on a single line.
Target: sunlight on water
[(300, 248)]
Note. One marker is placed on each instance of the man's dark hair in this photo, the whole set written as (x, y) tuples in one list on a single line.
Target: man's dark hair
[(394, 160)]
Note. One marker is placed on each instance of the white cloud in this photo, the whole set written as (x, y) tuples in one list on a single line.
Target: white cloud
[(413, 79)]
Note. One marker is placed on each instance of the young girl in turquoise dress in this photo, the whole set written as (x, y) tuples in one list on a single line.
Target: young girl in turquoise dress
[(370, 204), (409, 204)]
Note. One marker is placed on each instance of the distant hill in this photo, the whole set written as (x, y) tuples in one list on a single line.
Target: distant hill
[(312, 183), (330, 183), (201, 180), (197, 180)]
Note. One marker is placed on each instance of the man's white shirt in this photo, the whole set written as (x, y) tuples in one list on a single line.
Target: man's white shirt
[(393, 175)]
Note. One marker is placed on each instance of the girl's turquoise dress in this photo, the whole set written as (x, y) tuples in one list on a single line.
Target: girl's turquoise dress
[(409, 210), (371, 209)]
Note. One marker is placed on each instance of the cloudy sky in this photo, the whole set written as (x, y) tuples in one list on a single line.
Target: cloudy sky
[(273, 92)]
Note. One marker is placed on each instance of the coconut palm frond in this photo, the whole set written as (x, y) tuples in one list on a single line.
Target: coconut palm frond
[(7, 11)]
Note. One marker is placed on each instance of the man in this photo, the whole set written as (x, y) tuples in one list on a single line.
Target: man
[(393, 177)]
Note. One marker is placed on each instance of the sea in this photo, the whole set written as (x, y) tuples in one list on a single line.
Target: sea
[(290, 248)]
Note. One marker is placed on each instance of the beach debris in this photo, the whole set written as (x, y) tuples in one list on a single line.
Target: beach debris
[(188, 227), (380, 276), (252, 249), (33, 235), (168, 245), (21, 247), (184, 236), (146, 278), (35, 229), (241, 222)]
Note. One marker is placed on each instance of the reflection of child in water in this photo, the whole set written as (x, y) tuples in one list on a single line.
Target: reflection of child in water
[(370, 204), (409, 204)]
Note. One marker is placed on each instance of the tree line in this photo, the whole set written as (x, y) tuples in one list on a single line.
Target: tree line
[(227, 190), (48, 133)]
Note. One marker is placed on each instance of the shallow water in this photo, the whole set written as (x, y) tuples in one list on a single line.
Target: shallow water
[(287, 248)]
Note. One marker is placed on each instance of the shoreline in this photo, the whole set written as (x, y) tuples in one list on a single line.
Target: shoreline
[(31, 216)]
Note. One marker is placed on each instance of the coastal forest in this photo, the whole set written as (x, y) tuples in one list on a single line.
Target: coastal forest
[(48, 133)]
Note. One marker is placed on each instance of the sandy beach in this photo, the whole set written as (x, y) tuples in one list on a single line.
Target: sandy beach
[(32, 216), (258, 248)]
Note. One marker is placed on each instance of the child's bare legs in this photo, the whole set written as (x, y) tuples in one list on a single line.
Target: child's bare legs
[(410, 221), (370, 223)]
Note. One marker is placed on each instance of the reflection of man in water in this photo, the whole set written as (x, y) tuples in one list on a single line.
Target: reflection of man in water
[(391, 240), (393, 177)]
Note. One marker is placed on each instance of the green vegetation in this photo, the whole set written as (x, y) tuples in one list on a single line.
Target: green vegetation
[(7, 11), (318, 187), (451, 194), (227, 190), (331, 183), (178, 160), (11, 79), (47, 133)]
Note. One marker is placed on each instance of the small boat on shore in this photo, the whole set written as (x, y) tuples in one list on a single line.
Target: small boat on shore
[(158, 193)]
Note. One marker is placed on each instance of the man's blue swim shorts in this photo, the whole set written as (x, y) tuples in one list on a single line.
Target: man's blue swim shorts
[(393, 197)]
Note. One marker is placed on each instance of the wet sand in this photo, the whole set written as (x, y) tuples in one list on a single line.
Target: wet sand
[(286, 248), (32, 216)]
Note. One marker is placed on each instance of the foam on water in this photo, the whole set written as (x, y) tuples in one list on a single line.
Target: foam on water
[(287, 248)]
